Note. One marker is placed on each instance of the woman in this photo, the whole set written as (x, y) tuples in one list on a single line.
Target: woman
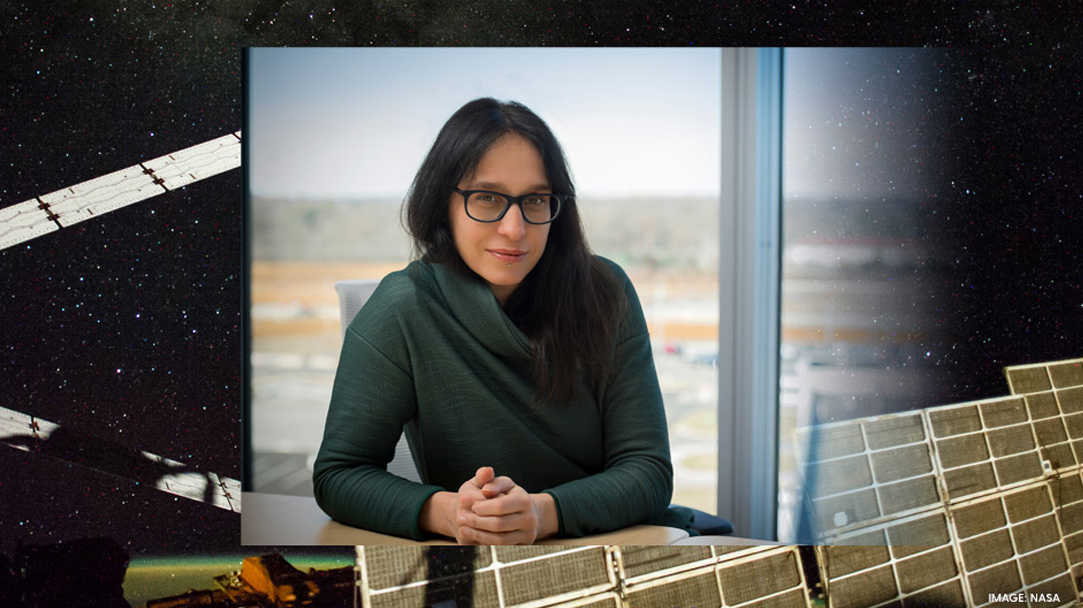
[(518, 363)]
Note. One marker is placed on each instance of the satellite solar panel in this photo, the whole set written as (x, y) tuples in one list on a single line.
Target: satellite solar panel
[(1008, 520), (990, 445), (1067, 493), (958, 505), (198, 162), (884, 469), (24, 221), (30, 433), (112, 191), (759, 576), (22, 431), (897, 561), (576, 577), (1012, 543), (102, 195)]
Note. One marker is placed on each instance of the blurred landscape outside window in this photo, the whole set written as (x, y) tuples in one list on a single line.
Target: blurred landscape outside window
[(336, 136)]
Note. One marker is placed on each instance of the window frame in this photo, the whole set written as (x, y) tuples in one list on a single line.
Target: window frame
[(749, 286)]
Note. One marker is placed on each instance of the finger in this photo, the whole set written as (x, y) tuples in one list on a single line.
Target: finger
[(506, 523), (506, 504), (498, 486), (481, 537), (483, 476)]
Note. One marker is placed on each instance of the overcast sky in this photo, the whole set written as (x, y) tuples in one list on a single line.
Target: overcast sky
[(357, 122)]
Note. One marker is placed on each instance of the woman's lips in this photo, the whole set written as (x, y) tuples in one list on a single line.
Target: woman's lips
[(508, 256)]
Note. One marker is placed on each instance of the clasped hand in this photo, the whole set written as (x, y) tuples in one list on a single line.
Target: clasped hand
[(495, 511), (490, 510)]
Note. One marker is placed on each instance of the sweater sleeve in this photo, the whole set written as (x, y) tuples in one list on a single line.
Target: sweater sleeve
[(373, 397), (637, 483)]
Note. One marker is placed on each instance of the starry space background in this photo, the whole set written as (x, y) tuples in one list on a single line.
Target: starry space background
[(130, 327)]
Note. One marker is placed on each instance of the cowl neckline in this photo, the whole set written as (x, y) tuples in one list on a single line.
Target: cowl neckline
[(472, 303)]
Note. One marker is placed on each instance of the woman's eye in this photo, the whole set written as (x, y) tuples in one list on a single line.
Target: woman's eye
[(537, 201)]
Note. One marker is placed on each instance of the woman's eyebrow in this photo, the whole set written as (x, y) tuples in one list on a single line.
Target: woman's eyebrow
[(501, 187)]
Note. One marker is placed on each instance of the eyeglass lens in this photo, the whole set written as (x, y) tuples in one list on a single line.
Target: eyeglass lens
[(489, 206)]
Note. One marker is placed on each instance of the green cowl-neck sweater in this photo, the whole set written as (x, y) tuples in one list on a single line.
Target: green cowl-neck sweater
[(432, 351)]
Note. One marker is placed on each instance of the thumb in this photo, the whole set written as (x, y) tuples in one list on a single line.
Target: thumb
[(483, 476), (498, 486)]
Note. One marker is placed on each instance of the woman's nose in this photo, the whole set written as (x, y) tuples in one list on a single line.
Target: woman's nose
[(512, 224)]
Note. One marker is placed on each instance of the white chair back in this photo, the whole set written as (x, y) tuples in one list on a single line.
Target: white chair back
[(352, 295)]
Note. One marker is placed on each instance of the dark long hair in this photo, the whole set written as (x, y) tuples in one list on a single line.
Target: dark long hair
[(570, 304)]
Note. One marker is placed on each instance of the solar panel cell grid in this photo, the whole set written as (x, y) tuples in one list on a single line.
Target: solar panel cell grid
[(1002, 413), (954, 421), (840, 511), (1011, 440), (959, 451), (789, 599), (606, 600), (926, 569), (902, 463), (1070, 400), (514, 553), (947, 594), (1067, 374), (639, 561), (698, 590), (971, 480), (890, 432), (747, 581), (1015, 469), (999, 580), (986, 549), (1029, 379), (1010, 514), (835, 442), (918, 535), (1042, 565), (843, 475), (919, 558), (479, 587), (858, 553), (908, 495), (527, 581), (1042, 405), (872, 587)]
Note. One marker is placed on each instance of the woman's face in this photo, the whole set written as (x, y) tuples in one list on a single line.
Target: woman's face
[(502, 252)]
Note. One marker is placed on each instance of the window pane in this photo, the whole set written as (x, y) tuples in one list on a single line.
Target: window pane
[(861, 277), (332, 157), (927, 219)]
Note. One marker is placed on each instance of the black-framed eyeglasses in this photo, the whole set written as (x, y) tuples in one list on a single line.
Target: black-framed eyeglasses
[(488, 206)]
